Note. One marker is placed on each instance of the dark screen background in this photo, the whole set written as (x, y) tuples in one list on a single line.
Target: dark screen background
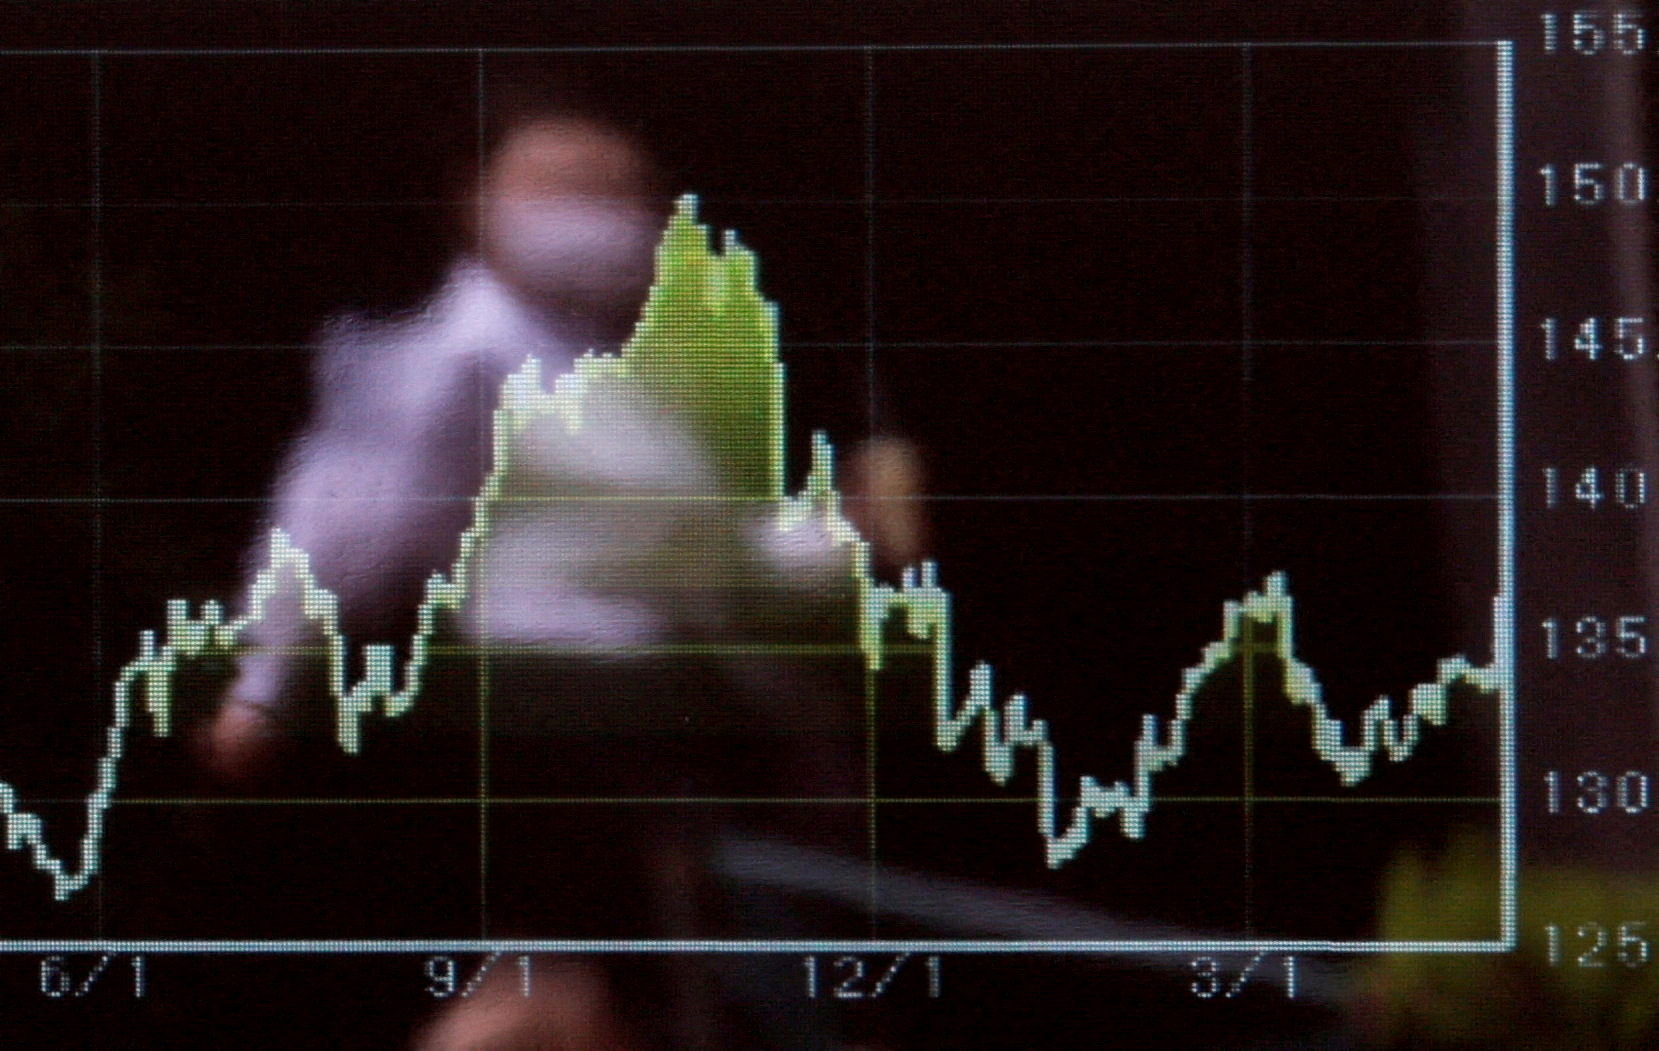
[(1133, 307)]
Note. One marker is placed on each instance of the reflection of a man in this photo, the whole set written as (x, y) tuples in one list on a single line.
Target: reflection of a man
[(615, 547), (377, 489)]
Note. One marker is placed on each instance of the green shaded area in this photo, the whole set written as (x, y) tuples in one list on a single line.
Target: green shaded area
[(706, 349)]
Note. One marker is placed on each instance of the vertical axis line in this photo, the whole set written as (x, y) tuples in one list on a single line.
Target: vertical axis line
[(484, 447), (870, 242), (1503, 614), (1246, 373), (97, 335), (870, 786)]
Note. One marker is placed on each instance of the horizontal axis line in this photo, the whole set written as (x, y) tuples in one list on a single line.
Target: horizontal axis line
[(893, 344), (922, 498), (474, 801), (849, 202), (1100, 45)]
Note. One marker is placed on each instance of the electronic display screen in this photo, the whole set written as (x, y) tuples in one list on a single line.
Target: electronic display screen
[(841, 526)]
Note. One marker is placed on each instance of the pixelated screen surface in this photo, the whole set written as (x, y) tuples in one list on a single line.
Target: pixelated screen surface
[(803, 526)]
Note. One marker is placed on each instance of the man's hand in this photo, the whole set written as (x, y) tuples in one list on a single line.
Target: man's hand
[(881, 495), (239, 741)]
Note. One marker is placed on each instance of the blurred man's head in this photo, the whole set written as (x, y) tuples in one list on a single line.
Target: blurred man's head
[(568, 216)]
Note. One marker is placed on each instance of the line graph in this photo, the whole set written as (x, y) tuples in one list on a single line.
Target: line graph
[(710, 302), (1221, 715)]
